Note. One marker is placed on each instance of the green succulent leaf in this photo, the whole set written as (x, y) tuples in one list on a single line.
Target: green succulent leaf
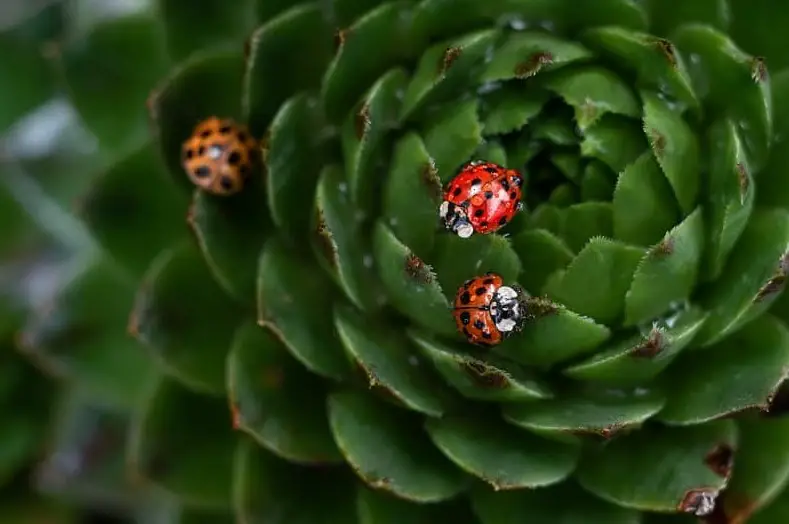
[(602, 298), (643, 202), (701, 382), (134, 210), (377, 507), (169, 316), (391, 364), (775, 512), (639, 470), (293, 301), (18, 439), (509, 108), (597, 183), (230, 232), (110, 72), (640, 358), (452, 136), (585, 221), (501, 455), (491, 150), (297, 36), (482, 377), (277, 401), (411, 468), (615, 140), (208, 83), (601, 414), (548, 505), (716, 13), (192, 27), (772, 179), (195, 466), (541, 253), (752, 278)]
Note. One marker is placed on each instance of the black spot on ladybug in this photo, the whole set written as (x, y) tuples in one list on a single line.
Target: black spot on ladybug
[(484, 224), (465, 317), (476, 182), (479, 324), (225, 129), (486, 335), (201, 151), (478, 213), (242, 137), (513, 195), (505, 185), (488, 194), (190, 153), (226, 182), (457, 191), (488, 281), (503, 221), (492, 170), (465, 298), (466, 332), (480, 291), (206, 133), (234, 158), (202, 171)]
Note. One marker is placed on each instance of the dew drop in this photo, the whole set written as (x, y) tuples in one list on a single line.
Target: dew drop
[(367, 260)]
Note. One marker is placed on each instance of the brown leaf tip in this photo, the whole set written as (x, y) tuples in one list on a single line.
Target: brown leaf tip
[(532, 65), (720, 459), (651, 345), (340, 37), (484, 375), (657, 140), (417, 271), (448, 58), (663, 248), (668, 50), (777, 282), (325, 239), (743, 180), (235, 416), (362, 121), (699, 502), (431, 180), (758, 69)]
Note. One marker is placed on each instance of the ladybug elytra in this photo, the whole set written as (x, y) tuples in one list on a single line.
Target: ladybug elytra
[(487, 312), (482, 198)]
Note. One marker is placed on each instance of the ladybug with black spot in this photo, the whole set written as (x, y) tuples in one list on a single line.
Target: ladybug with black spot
[(488, 312), (482, 198), (219, 156)]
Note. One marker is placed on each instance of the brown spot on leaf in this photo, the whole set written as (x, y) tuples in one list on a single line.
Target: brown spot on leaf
[(235, 416), (720, 459), (532, 65), (668, 51), (362, 121), (663, 248), (325, 240), (340, 37), (416, 270), (758, 69), (657, 140), (743, 180), (777, 282), (699, 501), (484, 375), (448, 58), (650, 346)]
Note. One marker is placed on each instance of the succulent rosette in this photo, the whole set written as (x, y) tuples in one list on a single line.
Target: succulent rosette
[(301, 360)]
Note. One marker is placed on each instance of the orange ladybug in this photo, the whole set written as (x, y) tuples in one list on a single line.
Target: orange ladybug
[(219, 156), (488, 312)]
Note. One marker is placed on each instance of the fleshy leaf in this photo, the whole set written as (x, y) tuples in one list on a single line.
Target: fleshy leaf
[(654, 60), (277, 401), (375, 42), (773, 189), (730, 82), (300, 36), (667, 273), (134, 210), (452, 135), (701, 386), (593, 92), (510, 108), (377, 507), (597, 280), (365, 138), (548, 505), (411, 284), (644, 204), (194, 26), (183, 315), (601, 414), (391, 364), (555, 128), (716, 13), (777, 510), (195, 466), (294, 162), (598, 183), (524, 54), (459, 259), (209, 83), (501, 455), (481, 377), (110, 72), (349, 255), (293, 301), (541, 253), (639, 470), (266, 489), (412, 195), (411, 468), (615, 140), (638, 359), (585, 221), (675, 147), (491, 150), (446, 69), (752, 278), (230, 232)]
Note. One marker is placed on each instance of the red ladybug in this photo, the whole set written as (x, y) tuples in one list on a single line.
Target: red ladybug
[(482, 198), (487, 312)]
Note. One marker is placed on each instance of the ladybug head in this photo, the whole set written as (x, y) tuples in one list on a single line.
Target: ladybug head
[(455, 219), (506, 309)]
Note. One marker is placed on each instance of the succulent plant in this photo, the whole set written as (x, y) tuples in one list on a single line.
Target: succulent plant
[(301, 361)]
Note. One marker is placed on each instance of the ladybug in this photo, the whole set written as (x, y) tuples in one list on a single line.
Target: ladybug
[(482, 198), (219, 156), (488, 312)]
